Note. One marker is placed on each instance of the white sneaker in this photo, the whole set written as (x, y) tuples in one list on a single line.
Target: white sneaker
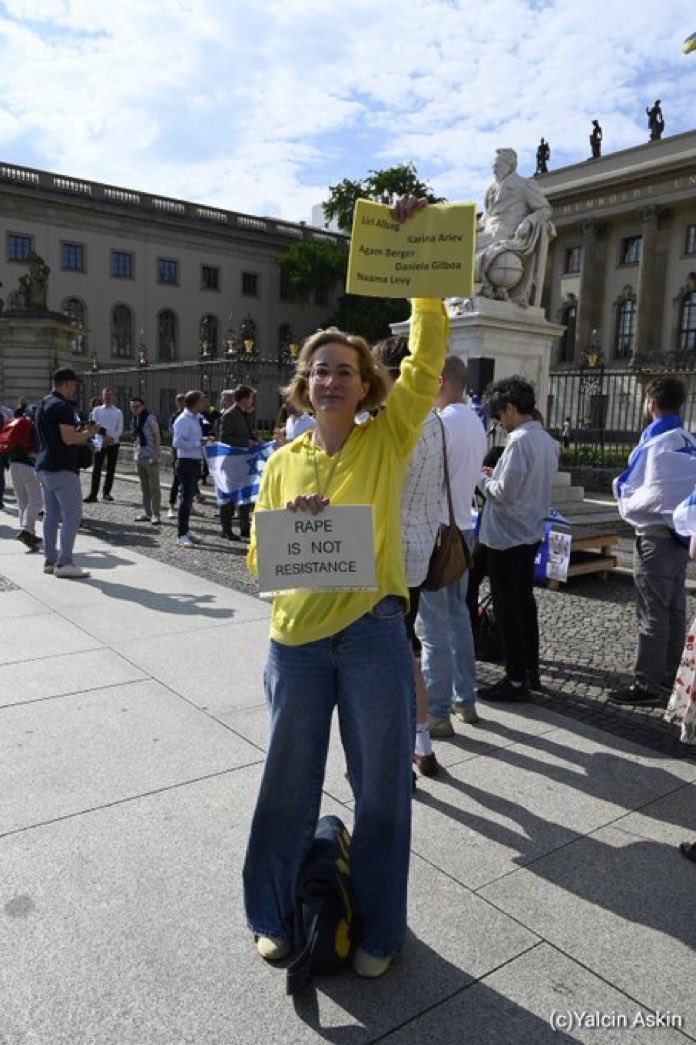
[(49, 567), (185, 541), (142, 518), (75, 573), (156, 520), (171, 514)]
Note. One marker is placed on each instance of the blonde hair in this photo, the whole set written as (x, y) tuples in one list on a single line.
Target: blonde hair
[(297, 392)]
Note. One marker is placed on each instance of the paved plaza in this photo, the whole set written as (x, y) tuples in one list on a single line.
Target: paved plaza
[(545, 873)]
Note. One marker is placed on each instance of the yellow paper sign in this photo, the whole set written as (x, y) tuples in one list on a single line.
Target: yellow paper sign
[(431, 255)]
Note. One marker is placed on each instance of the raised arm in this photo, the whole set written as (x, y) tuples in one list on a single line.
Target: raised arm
[(414, 393)]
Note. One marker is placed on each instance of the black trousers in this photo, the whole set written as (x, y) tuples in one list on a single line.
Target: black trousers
[(188, 470), (244, 512), (111, 455), (511, 574)]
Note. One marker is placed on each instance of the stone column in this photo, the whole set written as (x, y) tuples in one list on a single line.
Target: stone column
[(592, 277), (648, 303)]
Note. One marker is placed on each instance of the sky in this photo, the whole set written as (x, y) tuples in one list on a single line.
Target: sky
[(260, 105)]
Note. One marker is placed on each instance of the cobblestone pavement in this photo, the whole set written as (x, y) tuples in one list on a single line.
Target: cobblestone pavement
[(587, 628), (7, 585)]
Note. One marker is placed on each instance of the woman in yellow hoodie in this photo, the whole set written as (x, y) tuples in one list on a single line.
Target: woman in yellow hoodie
[(344, 649)]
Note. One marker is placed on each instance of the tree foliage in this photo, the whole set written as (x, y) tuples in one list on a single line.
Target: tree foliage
[(307, 265), (380, 186)]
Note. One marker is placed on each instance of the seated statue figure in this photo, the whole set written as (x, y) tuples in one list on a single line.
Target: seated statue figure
[(513, 235)]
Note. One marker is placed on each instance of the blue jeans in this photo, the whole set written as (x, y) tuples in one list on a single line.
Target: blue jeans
[(366, 672), (62, 507), (448, 660)]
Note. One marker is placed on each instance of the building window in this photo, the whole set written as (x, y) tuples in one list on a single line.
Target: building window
[(284, 293), (208, 334), (167, 336), (72, 256), (250, 284), (569, 319), (210, 277), (690, 243), (321, 295), (625, 327), (19, 247), (122, 332), (76, 312), (686, 341), (573, 260), (122, 264), (168, 271), (630, 250)]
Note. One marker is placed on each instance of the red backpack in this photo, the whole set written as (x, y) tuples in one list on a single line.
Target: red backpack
[(17, 434)]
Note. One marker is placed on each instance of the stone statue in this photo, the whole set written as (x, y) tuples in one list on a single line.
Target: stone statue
[(656, 121), (543, 155), (596, 140), (513, 235), (32, 291)]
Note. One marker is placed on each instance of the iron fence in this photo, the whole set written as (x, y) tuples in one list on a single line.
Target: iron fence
[(159, 383), (604, 407)]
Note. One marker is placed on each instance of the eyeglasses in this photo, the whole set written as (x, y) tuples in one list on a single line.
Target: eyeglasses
[(322, 373)]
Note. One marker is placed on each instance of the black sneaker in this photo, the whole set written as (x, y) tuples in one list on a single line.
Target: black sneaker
[(634, 694), (89, 500), (106, 497), (504, 690), (534, 682)]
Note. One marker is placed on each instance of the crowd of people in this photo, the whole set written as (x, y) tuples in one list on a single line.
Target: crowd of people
[(390, 426)]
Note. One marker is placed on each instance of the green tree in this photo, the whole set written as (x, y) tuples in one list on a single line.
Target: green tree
[(307, 265), (380, 186)]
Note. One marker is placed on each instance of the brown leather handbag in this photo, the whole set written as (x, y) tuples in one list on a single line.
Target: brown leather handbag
[(451, 557)]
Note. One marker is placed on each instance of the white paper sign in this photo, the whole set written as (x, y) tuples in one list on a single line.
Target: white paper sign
[(333, 551), (559, 556)]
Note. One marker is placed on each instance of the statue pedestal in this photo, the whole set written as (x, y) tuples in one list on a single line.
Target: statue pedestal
[(32, 346), (518, 339)]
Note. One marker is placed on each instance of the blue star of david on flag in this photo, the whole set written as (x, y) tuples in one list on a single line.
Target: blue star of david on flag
[(236, 472)]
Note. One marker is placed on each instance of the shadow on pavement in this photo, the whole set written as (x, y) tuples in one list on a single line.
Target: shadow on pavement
[(183, 603), (490, 1016)]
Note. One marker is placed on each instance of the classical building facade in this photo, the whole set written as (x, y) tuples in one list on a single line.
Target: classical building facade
[(145, 276), (622, 271)]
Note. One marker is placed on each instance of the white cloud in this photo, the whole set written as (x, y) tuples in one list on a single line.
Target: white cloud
[(260, 107)]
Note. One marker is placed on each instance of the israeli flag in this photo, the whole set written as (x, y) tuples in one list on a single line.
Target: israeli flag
[(661, 472), (236, 472), (684, 517)]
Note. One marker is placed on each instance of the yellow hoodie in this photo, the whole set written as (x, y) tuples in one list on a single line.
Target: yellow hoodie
[(372, 470)]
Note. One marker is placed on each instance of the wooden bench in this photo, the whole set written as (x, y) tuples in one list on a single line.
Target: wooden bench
[(591, 555)]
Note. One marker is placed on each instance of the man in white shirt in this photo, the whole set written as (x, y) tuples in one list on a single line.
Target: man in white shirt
[(444, 626), (110, 421), (187, 440), (518, 499)]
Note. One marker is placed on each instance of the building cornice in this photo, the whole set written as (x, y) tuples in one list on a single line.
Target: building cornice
[(143, 207)]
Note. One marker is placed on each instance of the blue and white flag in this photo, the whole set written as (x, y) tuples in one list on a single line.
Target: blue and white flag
[(236, 472), (553, 558), (661, 473), (684, 517)]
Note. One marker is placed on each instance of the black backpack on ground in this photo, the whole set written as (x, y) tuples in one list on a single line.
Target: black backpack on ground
[(324, 927)]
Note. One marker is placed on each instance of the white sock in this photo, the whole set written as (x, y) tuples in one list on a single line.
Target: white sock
[(517, 685), (424, 745)]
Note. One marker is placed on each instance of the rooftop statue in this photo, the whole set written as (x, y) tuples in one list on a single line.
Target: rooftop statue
[(596, 140), (543, 155), (656, 121), (513, 235)]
